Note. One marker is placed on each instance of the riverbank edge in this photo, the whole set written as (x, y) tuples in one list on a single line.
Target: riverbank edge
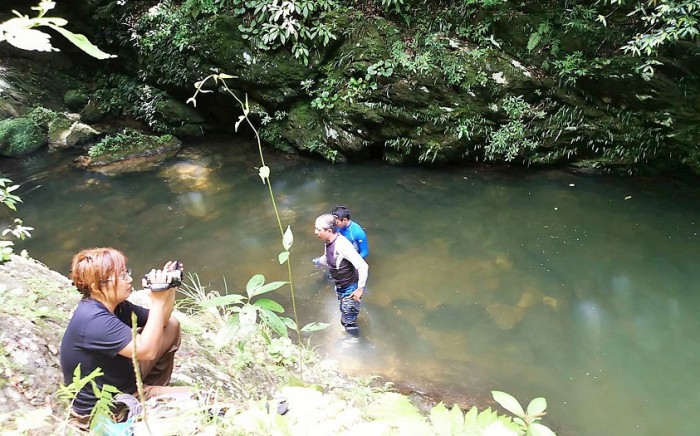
[(37, 304)]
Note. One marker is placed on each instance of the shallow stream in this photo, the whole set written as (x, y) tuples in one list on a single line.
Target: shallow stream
[(584, 290)]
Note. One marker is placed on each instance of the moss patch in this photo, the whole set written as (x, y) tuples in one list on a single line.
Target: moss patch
[(20, 136)]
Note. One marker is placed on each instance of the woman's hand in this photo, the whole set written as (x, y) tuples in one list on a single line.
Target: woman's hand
[(157, 279)]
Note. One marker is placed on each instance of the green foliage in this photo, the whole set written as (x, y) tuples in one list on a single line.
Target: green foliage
[(118, 93), (48, 120), (513, 138), (20, 136), (168, 41), (528, 420), (393, 5), (436, 55), (299, 24), (101, 412), (384, 68), (665, 23), (543, 37), (325, 99), (127, 140), (19, 231), (397, 412), (474, 422), (322, 149), (6, 197), (21, 33), (572, 67), (43, 117), (242, 315), (75, 99)]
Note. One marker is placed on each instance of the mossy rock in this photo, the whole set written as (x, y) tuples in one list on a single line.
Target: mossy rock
[(75, 99), (20, 136), (129, 151), (93, 113), (180, 118), (303, 124), (394, 158)]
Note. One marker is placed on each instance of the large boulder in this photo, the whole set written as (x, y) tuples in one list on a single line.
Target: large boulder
[(75, 135)]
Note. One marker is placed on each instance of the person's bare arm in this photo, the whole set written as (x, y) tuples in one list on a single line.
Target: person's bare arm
[(149, 341)]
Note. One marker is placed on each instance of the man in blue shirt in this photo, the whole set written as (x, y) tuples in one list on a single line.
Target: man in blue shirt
[(351, 230)]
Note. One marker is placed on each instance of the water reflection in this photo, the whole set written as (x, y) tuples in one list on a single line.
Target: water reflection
[(536, 283)]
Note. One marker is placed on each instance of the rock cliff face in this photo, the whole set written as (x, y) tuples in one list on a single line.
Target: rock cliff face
[(435, 91)]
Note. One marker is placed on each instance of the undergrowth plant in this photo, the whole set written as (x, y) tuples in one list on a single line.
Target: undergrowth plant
[(18, 230), (247, 313), (102, 411), (241, 313), (526, 419)]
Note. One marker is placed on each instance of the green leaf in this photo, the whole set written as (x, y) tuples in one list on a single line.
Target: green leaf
[(536, 407), (535, 39), (541, 430), (224, 300), (392, 407), (440, 418), (314, 326), (268, 288), (470, 417), (82, 43), (283, 257), (288, 239), (289, 322), (274, 321), (254, 283), (509, 403), (224, 336), (456, 419), (248, 315), (269, 304)]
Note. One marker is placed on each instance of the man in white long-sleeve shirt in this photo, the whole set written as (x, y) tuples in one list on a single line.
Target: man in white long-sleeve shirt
[(347, 269)]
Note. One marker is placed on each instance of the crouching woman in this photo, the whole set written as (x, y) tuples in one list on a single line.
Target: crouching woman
[(99, 334)]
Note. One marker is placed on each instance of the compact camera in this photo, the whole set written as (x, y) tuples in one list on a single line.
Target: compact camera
[(174, 279)]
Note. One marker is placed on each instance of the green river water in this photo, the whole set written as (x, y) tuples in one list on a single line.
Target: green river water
[(584, 290)]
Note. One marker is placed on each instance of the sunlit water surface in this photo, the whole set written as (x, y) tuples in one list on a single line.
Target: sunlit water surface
[(584, 290)]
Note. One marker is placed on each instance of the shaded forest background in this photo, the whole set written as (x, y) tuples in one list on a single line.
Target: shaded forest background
[(591, 85)]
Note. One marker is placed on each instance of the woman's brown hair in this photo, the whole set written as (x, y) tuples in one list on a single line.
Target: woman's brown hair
[(94, 267)]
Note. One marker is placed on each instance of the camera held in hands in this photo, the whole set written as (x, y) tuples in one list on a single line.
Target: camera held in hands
[(174, 279)]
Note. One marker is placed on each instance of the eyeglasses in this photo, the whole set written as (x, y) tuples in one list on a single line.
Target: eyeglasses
[(123, 276)]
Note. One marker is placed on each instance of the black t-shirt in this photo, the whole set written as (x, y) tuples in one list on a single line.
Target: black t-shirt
[(93, 339)]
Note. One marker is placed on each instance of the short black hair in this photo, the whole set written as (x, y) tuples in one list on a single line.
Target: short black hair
[(341, 212)]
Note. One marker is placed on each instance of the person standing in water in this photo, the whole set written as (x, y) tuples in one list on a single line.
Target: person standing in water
[(352, 231), (347, 269)]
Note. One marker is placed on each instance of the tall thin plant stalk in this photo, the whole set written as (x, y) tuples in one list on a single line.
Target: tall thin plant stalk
[(264, 173)]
